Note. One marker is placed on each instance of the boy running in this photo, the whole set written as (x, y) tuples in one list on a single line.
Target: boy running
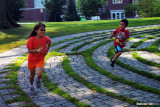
[(121, 35)]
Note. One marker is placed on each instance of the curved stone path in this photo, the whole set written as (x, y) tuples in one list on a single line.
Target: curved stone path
[(150, 56), (99, 56), (74, 88), (128, 59), (42, 97), (68, 49), (53, 68), (147, 43), (78, 64)]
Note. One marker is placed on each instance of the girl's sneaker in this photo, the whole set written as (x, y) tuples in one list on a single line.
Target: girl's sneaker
[(32, 88)]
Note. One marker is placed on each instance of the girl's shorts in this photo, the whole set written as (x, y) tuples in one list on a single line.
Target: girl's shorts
[(33, 65), (117, 49)]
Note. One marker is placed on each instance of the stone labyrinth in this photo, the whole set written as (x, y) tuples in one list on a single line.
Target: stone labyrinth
[(78, 72)]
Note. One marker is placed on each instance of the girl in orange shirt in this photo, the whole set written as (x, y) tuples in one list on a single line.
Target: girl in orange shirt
[(38, 46)]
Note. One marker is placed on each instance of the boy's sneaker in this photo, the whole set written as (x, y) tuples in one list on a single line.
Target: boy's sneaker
[(38, 83), (112, 62), (111, 58), (32, 88)]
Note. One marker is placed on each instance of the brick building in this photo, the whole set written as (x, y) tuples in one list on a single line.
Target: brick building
[(115, 8), (34, 11)]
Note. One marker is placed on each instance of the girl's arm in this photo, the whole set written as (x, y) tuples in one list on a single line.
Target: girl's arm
[(36, 50), (32, 50), (48, 46)]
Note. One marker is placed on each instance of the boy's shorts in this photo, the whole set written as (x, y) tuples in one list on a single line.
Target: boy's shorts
[(117, 49), (33, 65)]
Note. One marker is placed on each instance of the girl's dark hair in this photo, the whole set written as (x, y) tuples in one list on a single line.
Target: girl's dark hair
[(36, 27), (125, 21)]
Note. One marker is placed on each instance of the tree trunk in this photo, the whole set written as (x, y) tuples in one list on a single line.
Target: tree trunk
[(6, 20)]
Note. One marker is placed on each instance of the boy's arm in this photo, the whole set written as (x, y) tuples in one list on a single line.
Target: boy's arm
[(111, 36), (123, 36)]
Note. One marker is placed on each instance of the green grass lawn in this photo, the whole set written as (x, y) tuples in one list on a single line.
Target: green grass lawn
[(11, 38)]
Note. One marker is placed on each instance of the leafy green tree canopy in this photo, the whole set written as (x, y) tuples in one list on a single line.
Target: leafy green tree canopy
[(149, 8), (71, 11), (54, 9), (14, 7), (130, 10), (89, 7)]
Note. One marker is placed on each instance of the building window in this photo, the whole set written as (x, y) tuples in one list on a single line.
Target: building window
[(122, 16), (117, 1), (117, 15), (113, 17), (38, 4)]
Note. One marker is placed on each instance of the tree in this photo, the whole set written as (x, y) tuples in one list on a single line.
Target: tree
[(71, 11), (54, 9), (6, 20), (89, 7), (149, 8), (14, 8), (130, 10)]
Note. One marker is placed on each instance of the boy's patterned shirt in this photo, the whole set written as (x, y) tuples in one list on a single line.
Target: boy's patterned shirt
[(119, 41)]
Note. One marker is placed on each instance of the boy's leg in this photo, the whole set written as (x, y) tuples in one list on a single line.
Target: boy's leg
[(116, 56), (118, 52)]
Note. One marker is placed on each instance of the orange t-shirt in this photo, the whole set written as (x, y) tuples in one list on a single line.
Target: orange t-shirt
[(35, 43)]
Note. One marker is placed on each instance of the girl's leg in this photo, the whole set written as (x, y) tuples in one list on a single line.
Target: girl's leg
[(39, 76), (39, 72), (31, 78)]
